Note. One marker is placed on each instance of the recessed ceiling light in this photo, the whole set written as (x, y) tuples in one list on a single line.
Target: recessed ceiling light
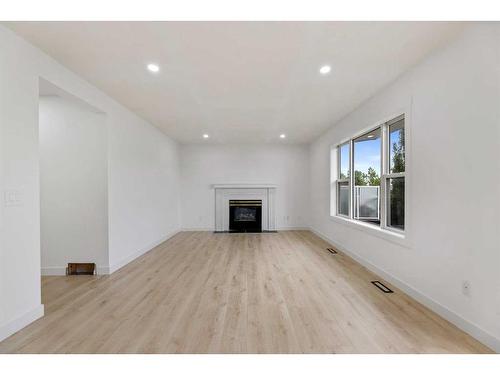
[(370, 136), (282, 136), (153, 68), (325, 69), (206, 136)]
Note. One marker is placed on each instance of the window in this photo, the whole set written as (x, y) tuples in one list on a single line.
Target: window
[(367, 163), (343, 189), (343, 198), (377, 186), (395, 179), (396, 202), (344, 161)]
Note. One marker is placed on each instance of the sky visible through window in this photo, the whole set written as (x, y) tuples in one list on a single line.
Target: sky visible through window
[(396, 147), (344, 161), (366, 155), (366, 176)]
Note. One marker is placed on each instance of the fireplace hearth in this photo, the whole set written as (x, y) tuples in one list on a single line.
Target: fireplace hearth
[(245, 215)]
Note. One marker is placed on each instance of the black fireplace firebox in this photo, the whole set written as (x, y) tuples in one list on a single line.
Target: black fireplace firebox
[(245, 215)]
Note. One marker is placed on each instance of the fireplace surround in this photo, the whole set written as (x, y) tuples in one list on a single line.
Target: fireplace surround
[(224, 193)]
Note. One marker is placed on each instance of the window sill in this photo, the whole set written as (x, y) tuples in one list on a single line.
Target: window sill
[(397, 238)]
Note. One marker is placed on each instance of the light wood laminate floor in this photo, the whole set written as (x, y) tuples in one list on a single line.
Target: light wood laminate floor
[(201, 292)]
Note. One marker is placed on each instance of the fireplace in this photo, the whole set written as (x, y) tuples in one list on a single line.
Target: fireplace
[(245, 215), (265, 194)]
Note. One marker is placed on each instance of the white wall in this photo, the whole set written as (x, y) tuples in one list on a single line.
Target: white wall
[(453, 104), (452, 99), (142, 177), (144, 199), (73, 185), (283, 165)]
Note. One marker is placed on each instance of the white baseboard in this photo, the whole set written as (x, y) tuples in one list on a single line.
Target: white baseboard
[(472, 329), (293, 228), (61, 271), (54, 271), (203, 229), (20, 322), (126, 260)]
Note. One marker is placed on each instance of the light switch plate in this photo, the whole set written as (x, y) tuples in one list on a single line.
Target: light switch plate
[(12, 198)]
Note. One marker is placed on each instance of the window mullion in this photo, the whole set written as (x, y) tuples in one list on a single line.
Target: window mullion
[(351, 178), (384, 169), (395, 175), (339, 166)]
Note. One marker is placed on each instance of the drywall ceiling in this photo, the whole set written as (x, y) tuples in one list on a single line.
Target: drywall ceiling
[(47, 89), (241, 82)]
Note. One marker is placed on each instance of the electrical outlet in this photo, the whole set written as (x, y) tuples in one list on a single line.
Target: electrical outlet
[(466, 288)]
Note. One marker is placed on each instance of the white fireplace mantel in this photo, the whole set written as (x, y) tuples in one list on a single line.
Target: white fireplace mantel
[(244, 186), (226, 192)]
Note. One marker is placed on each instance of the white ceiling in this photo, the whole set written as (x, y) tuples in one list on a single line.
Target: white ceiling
[(239, 81), (47, 89)]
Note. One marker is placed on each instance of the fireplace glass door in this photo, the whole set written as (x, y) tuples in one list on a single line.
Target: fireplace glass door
[(245, 215)]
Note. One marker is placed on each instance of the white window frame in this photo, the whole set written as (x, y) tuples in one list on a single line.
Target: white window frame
[(343, 180), (385, 176), (356, 198), (353, 217)]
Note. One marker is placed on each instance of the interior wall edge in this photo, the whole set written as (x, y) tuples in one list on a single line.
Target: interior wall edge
[(22, 65), (126, 260), (21, 321)]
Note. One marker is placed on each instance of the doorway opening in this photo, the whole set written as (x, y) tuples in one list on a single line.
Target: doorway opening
[(73, 181)]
